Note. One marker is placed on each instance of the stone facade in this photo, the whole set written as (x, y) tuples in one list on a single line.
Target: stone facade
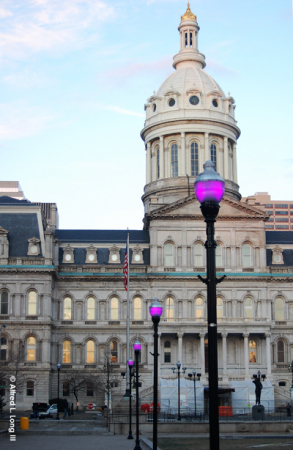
[(62, 293)]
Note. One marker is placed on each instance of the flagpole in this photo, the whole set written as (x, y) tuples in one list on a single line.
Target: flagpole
[(127, 320)]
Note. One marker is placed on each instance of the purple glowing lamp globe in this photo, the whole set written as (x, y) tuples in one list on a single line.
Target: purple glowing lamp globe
[(209, 186), (130, 362), (156, 309), (137, 345)]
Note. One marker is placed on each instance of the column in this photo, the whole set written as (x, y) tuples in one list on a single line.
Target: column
[(206, 147), (148, 163), (202, 353), (246, 354), (268, 353), (182, 156), (180, 347), (234, 163), (154, 164), (224, 352), (226, 164), (162, 165)]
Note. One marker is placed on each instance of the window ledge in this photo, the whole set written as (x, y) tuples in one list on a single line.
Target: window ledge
[(137, 322), (90, 322), (114, 322), (66, 322), (32, 317)]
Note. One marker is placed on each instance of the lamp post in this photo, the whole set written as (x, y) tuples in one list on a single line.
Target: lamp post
[(130, 365), (58, 369), (156, 310), (209, 188), (2, 326), (178, 373), (137, 349), (198, 375)]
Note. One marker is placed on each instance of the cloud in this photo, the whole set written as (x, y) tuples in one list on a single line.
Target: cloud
[(220, 68), (137, 68), (32, 26), (26, 79), (18, 120)]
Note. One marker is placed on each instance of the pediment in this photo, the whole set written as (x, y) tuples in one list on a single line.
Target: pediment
[(215, 93), (189, 207), (3, 231), (171, 92)]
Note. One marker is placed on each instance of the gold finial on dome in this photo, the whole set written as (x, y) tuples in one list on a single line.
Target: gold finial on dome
[(188, 15)]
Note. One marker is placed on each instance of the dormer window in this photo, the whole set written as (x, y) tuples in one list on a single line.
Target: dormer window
[(68, 254), (215, 103), (33, 246), (171, 102)]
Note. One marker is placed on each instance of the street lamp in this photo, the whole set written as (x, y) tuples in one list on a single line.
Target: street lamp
[(156, 310), (137, 349), (58, 368), (178, 373), (130, 365), (198, 375), (209, 188), (2, 326)]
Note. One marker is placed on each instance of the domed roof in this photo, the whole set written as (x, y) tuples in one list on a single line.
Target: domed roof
[(187, 79)]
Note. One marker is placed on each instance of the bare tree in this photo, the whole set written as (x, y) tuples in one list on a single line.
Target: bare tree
[(77, 381), (13, 371), (107, 374)]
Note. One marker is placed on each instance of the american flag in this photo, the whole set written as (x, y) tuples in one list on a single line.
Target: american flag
[(125, 268)]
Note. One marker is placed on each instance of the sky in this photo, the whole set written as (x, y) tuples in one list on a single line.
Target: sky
[(74, 78)]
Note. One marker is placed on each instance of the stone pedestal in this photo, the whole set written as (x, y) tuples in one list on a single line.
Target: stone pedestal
[(258, 412)]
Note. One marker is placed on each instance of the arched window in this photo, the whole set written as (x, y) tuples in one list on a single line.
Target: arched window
[(90, 352), (90, 308), (32, 303), (198, 255), (248, 307), (30, 387), (4, 348), (137, 308), (279, 308), (66, 352), (169, 254), (66, 389), (194, 159), (252, 351), (158, 163), (198, 308), (4, 302), (219, 308), (219, 258), (246, 255), (31, 348), (169, 309), (214, 154), (167, 352), (114, 351), (114, 308), (67, 314), (281, 351), (174, 160)]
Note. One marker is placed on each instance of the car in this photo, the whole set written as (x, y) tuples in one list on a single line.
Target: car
[(45, 410)]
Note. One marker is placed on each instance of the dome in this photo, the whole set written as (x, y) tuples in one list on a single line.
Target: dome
[(189, 78)]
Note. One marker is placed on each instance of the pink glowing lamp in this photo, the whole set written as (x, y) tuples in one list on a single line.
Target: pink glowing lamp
[(209, 186), (137, 346)]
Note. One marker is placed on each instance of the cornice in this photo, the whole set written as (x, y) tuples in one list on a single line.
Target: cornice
[(183, 121)]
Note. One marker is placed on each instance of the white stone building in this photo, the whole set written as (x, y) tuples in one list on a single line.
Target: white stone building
[(61, 291)]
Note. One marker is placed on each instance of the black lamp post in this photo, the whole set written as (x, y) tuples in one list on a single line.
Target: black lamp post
[(58, 369), (130, 365), (156, 310), (209, 189), (178, 373), (137, 349), (198, 375)]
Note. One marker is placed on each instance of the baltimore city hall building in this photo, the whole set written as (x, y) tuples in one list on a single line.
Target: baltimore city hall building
[(62, 292)]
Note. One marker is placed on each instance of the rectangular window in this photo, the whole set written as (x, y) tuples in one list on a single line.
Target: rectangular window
[(269, 226), (3, 354), (282, 213), (271, 219), (269, 205), (282, 219), (89, 390), (30, 388), (167, 357), (285, 227), (281, 205), (291, 206), (270, 212), (65, 390)]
